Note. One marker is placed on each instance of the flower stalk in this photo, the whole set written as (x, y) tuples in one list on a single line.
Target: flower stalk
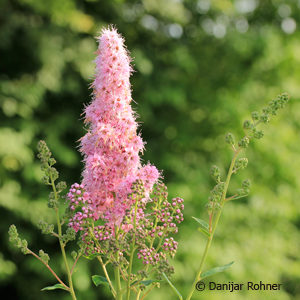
[(213, 228)]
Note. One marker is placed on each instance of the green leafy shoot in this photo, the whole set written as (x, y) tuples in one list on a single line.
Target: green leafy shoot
[(99, 280), (54, 287), (173, 287), (204, 227), (216, 270)]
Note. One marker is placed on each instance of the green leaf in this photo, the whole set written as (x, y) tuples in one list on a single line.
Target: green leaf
[(92, 256), (216, 270), (204, 227), (205, 232), (239, 197), (133, 283), (98, 280), (173, 287), (148, 282), (144, 282), (54, 287)]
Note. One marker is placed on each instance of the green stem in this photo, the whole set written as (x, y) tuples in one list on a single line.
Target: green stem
[(147, 292), (173, 287), (138, 295), (62, 246), (208, 244), (75, 262), (117, 271), (132, 252), (106, 275), (118, 283), (103, 264)]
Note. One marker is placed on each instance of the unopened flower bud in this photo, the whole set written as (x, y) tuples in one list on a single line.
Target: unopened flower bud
[(46, 180), (229, 139), (70, 235), (255, 116), (52, 202), (44, 152), (44, 256), (265, 118), (241, 192), (53, 173), (258, 134), (23, 247), (247, 124), (210, 206), (284, 97), (215, 173), (14, 238), (61, 186), (74, 254), (52, 161), (244, 142), (244, 191), (13, 233), (45, 227), (241, 163), (246, 184)]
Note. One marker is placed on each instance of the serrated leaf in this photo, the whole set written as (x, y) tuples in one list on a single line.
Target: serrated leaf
[(54, 287), (98, 280), (216, 270), (204, 227)]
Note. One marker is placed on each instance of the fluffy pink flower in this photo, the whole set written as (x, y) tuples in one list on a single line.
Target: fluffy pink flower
[(149, 175), (111, 147)]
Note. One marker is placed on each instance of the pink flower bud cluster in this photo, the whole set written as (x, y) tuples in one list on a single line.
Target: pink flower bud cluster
[(171, 213), (102, 234), (90, 246), (111, 147), (170, 246), (149, 256), (161, 223), (178, 206), (79, 205)]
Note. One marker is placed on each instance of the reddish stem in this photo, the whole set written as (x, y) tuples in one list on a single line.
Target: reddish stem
[(49, 268), (75, 262), (210, 222), (230, 198)]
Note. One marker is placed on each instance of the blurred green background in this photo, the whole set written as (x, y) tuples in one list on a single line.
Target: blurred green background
[(202, 67)]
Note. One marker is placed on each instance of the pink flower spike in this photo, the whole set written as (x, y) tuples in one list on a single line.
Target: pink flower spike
[(111, 147)]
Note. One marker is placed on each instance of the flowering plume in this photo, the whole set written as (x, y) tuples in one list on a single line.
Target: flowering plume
[(111, 147)]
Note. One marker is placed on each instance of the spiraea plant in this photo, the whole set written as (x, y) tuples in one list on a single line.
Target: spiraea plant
[(219, 194), (54, 202), (120, 212)]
